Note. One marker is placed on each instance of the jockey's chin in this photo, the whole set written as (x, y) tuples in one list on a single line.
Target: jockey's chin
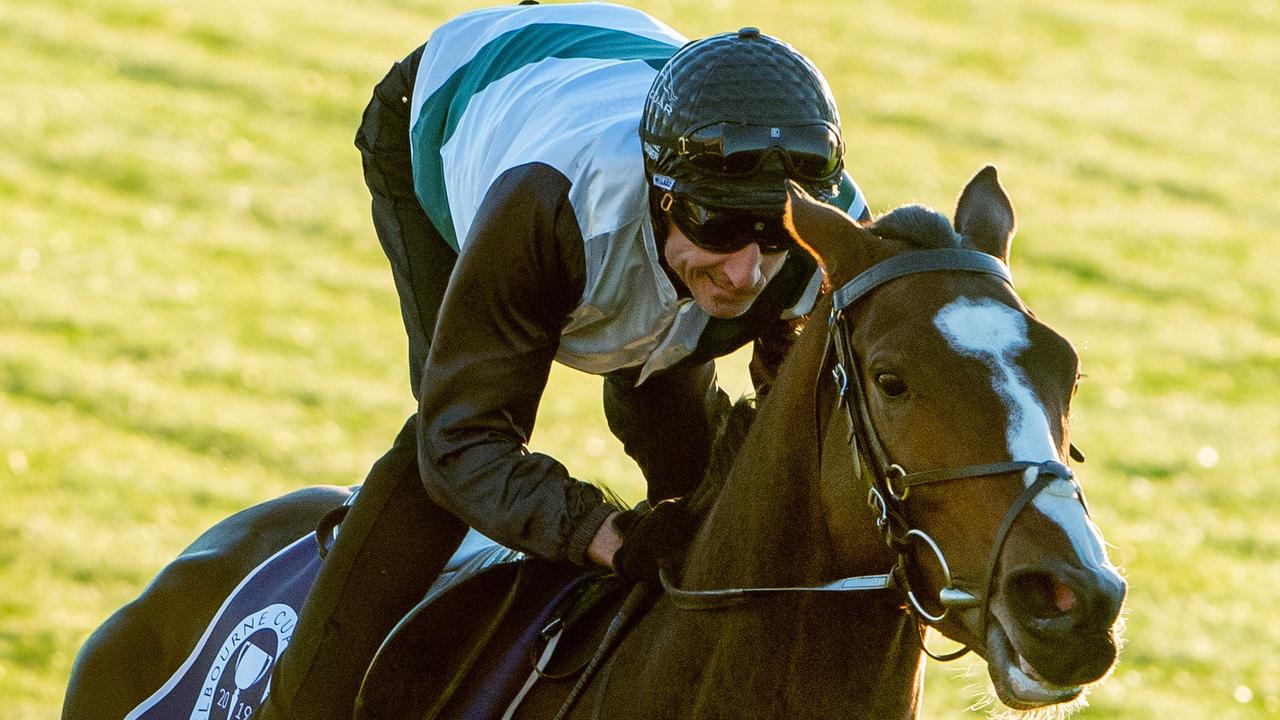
[(724, 304), (723, 284)]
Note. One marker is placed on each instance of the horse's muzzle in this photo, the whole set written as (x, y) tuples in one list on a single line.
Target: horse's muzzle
[(1060, 621)]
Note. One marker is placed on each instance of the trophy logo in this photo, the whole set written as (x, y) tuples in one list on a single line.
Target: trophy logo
[(240, 677)]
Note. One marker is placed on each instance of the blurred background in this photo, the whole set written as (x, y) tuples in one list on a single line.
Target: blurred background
[(195, 314)]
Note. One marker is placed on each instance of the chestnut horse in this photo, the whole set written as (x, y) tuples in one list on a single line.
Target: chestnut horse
[(908, 469)]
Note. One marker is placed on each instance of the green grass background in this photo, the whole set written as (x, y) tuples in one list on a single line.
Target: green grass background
[(195, 314)]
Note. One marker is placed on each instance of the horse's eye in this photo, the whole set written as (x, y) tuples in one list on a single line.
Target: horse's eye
[(891, 385)]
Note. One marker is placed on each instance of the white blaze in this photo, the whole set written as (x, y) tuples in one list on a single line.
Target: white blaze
[(996, 334)]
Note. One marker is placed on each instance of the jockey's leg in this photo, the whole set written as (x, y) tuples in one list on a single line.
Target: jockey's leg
[(421, 260), (390, 548), (395, 540)]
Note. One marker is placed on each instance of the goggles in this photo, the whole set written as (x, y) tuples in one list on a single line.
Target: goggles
[(727, 230), (809, 152)]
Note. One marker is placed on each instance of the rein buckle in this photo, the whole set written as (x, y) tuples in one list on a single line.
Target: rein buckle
[(842, 382)]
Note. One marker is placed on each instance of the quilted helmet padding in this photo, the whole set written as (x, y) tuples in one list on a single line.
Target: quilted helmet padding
[(741, 77)]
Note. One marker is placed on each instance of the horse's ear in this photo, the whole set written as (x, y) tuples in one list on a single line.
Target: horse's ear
[(827, 232), (984, 214)]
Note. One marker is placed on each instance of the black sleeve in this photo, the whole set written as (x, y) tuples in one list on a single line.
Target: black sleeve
[(667, 424), (520, 273)]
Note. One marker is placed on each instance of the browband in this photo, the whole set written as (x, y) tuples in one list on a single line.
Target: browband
[(917, 262)]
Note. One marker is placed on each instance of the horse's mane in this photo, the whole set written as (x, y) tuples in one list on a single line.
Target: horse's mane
[(729, 439), (918, 226)]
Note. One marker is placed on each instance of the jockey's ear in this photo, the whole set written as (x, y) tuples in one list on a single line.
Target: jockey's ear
[(984, 214), (827, 232)]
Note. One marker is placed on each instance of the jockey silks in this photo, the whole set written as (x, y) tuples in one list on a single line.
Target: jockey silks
[(564, 86)]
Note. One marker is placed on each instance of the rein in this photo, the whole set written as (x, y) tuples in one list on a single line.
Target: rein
[(890, 484)]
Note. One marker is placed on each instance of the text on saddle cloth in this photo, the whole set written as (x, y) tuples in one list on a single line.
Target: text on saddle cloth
[(227, 674)]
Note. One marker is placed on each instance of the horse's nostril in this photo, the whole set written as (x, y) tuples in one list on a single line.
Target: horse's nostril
[(1050, 604), (1063, 597), (1040, 595)]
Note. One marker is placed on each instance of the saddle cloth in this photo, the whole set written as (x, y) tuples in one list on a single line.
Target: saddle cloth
[(228, 673), (464, 654)]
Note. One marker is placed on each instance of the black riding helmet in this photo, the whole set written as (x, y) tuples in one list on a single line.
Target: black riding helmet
[(727, 120)]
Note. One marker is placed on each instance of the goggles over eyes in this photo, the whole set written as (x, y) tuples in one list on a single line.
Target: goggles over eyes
[(809, 152), (727, 230)]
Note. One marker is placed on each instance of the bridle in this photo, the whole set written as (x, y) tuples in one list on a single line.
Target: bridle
[(890, 483)]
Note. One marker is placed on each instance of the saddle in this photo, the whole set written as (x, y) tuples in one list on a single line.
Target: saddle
[(470, 652), (462, 652)]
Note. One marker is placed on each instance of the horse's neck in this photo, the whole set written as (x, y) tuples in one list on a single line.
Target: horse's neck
[(772, 524), (794, 658), (770, 502), (789, 656)]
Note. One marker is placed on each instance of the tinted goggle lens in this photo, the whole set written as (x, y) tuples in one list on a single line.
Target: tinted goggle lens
[(810, 152), (728, 230)]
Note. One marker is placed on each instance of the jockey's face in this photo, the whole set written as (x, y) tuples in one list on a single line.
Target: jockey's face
[(723, 284)]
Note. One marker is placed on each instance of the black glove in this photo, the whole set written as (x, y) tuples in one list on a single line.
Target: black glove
[(652, 536)]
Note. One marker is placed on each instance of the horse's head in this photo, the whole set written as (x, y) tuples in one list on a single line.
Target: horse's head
[(958, 403)]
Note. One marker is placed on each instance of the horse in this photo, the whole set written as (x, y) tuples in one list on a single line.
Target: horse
[(910, 468)]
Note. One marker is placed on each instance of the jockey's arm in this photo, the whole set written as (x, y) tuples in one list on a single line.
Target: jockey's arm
[(519, 276), (667, 424), (605, 544)]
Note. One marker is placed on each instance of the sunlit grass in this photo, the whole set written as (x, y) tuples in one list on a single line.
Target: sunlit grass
[(195, 314)]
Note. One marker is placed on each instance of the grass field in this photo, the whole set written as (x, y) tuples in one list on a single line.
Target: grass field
[(195, 315)]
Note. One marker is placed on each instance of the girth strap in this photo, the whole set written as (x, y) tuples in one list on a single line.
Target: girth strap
[(535, 674)]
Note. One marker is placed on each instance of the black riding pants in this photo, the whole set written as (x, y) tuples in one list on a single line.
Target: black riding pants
[(395, 541)]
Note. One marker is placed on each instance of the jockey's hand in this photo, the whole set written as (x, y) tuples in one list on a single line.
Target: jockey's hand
[(651, 537), (605, 543)]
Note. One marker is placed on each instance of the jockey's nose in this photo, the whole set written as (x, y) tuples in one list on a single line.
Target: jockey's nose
[(742, 268)]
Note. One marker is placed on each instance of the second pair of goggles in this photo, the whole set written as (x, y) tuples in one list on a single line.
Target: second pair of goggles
[(810, 152)]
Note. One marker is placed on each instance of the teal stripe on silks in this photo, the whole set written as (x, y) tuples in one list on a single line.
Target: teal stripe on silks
[(505, 54), (846, 195)]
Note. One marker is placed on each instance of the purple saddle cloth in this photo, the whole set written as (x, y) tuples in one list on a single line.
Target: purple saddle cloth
[(487, 592), (463, 654), (228, 673)]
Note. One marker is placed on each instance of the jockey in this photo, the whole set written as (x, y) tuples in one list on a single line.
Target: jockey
[(526, 222)]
